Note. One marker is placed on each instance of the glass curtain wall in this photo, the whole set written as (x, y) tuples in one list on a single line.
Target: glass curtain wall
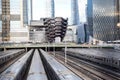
[(74, 12), (15, 10), (102, 19), (15, 6), (25, 12), (0, 7), (29, 10), (0, 15)]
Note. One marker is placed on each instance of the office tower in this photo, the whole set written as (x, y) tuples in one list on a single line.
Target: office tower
[(89, 14), (50, 10), (103, 18), (74, 18), (74, 12), (82, 33), (30, 9), (27, 11), (14, 19)]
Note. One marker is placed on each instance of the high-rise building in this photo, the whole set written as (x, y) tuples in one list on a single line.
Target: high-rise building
[(50, 9), (89, 13), (74, 12), (15, 15), (103, 17), (74, 19)]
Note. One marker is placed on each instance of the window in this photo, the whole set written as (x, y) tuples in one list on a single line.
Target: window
[(0, 7), (14, 25), (15, 6)]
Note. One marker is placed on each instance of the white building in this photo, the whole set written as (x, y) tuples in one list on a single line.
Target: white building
[(14, 20)]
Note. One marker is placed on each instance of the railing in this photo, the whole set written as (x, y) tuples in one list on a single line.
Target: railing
[(4, 45)]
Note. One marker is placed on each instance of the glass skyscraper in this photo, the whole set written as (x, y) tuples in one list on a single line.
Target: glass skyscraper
[(103, 17), (14, 17), (74, 12), (50, 8), (0, 16)]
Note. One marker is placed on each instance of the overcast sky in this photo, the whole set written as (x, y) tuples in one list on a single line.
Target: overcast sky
[(62, 9)]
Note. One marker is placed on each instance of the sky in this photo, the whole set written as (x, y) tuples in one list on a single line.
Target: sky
[(62, 9)]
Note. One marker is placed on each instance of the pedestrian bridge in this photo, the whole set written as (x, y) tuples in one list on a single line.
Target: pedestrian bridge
[(45, 45)]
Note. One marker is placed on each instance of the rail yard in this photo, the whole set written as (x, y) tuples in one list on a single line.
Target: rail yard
[(62, 64)]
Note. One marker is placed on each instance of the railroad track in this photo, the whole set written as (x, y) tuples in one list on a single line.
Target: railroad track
[(56, 70), (76, 71), (92, 71), (18, 69), (10, 62), (74, 65), (35, 65), (7, 58), (102, 72)]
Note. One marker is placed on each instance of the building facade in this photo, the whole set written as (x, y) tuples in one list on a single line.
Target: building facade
[(82, 33), (74, 19), (37, 31), (103, 17), (50, 8), (74, 12), (14, 19), (69, 36)]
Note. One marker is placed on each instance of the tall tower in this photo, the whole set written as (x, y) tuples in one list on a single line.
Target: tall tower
[(89, 14), (14, 16), (74, 12), (5, 20), (50, 10), (103, 20), (30, 8)]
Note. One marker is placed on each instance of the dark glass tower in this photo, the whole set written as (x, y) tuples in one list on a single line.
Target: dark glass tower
[(90, 16), (103, 17)]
